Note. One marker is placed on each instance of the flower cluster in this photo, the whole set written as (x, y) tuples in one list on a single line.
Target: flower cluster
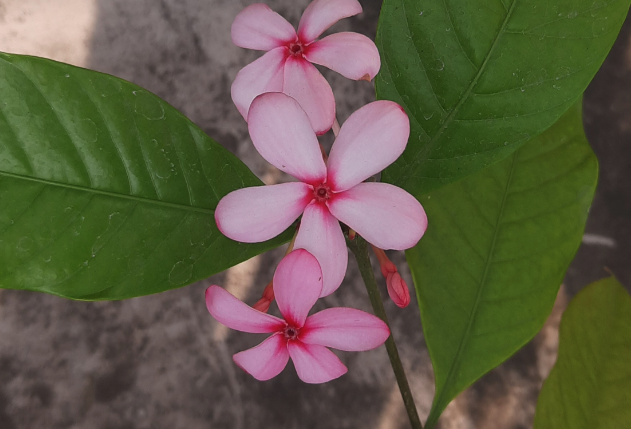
[(287, 104)]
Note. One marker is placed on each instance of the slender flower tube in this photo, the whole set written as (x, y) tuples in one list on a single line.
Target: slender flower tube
[(327, 193), (287, 66), (297, 286)]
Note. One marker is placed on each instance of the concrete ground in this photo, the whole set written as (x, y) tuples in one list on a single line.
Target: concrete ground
[(161, 361)]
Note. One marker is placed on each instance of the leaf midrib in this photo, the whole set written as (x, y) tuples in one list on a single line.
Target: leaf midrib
[(433, 417), (409, 169), (109, 193)]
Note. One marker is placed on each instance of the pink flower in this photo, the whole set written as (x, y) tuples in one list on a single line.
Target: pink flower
[(297, 285), (286, 67), (372, 138)]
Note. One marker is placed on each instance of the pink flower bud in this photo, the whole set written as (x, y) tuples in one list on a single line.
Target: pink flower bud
[(398, 290), (263, 304)]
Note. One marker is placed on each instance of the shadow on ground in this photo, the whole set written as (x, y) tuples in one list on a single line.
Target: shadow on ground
[(162, 362)]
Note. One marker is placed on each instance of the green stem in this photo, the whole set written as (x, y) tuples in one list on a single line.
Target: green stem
[(359, 247)]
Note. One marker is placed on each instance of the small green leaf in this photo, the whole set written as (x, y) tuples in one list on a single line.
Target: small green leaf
[(479, 78), (590, 384), (495, 252), (106, 191)]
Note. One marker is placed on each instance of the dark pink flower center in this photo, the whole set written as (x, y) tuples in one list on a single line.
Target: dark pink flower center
[(296, 49), (322, 193), (291, 333)]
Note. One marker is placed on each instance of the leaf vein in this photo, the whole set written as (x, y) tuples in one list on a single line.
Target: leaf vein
[(109, 132), (109, 193), (459, 353), (408, 171), (17, 139), (15, 221), (43, 249), (59, 121)]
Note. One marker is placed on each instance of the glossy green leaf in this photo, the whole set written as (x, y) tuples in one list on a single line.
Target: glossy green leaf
[(106, 191), (590, 384), (479, 78), (495, 252)]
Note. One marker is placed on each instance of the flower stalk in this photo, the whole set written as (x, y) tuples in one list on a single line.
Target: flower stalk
[(359, 247)]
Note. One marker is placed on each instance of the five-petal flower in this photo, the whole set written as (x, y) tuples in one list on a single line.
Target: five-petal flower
[(371, 139), (286, 67), (297, 286)]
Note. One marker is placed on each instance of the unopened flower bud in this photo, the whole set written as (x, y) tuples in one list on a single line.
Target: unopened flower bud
[(398, 290), (351, 234), (263, 304)]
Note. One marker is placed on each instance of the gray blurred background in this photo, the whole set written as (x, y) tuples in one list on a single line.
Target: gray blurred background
[(161, 361)]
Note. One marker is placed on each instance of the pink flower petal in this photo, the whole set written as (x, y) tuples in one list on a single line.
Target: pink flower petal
[(282, 134), (259, 27), (345, 329), (230, 311), (315, 364), (305, 83), (297, 286), (371, 139), (386, 216), (266, 360), (256, 214), (321, 14), (352, 55), (263, 75), (320, 234)]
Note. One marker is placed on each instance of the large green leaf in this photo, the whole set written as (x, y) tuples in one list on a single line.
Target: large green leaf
[(590, 384), (106, 191), (498, 244), (480, 77)]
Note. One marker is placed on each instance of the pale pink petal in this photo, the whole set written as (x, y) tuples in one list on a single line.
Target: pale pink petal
[(297, 286), (352, 55), (282, 133), (386, 216), (256, 214), (345, 329), (315, 364), (371, 139), (305, 83), (321, 14), (266, 360), (230, 311), (259, 27), (263, 75), (320, 234)]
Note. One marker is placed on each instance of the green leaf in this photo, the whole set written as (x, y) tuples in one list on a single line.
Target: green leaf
[(106, 191), (590, 384), (495, 252), (479, 78)]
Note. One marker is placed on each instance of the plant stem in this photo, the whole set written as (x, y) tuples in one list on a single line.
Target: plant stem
[(359, 247)]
